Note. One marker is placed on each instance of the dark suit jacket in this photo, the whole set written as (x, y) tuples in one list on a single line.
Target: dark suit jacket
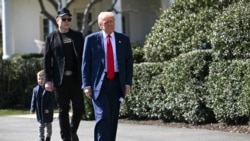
[(93, 63), (54, 58), (47, 102)]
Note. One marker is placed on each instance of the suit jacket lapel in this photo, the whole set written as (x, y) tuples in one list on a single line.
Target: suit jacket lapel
[(59, 40), (118, 46), (100, 38)]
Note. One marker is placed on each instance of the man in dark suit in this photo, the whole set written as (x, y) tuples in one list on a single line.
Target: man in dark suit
[(106, 82), (62, 65)]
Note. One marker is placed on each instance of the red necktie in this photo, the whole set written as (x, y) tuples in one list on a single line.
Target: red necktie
[(110, 58)]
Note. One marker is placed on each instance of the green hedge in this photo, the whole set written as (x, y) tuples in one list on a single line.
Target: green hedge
[(18, 77), (184, 27), (191, 88), (228, 86), (230, 32), (173, 90)]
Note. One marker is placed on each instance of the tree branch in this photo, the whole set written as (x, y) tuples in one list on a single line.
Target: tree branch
[(46, 13), (70, 2), (86, 26), (54, 4)]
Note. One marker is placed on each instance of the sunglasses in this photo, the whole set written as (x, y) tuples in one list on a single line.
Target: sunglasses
[(64, 19)]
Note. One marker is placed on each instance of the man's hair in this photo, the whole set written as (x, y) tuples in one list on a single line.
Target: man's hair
[(104, 14), (40, 73)]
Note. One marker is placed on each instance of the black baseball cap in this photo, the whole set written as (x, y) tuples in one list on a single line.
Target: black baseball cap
[(62, 12)]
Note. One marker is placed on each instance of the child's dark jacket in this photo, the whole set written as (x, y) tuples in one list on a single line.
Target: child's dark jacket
[(40, 101)]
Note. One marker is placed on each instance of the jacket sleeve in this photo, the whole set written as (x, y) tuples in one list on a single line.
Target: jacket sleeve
[(86, 63), (48, 59), (33, 101)]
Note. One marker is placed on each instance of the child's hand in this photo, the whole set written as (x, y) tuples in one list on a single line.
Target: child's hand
[(46, 111)]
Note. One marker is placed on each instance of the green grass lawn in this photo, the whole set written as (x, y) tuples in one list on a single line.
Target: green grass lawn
[(4, 112)]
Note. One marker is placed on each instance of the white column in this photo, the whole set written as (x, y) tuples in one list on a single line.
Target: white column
[(6, 29), (118, 17)]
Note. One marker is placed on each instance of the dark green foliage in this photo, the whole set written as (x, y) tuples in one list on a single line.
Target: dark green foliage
[(144, 91), (182, 28), (18, 77), (196, 86), (231, 32), (228, 85), (88, 109), (172, 90), (183, 82), (138, 53), (33, 55)]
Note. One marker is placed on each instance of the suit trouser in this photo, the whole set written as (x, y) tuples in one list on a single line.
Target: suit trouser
[(69, 91), (107, 108)]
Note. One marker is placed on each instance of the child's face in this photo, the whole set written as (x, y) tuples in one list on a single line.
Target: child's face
[(40, 80)]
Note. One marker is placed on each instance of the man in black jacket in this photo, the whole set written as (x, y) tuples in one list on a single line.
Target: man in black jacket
[(62, 65)]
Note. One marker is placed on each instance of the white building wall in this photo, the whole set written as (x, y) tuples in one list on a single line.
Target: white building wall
[(141, 17), (27, 25), (27, 20)]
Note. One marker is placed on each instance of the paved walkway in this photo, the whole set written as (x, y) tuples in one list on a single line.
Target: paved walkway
[(25, 128)]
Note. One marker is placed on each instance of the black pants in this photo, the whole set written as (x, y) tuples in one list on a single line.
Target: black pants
[(69, 92)]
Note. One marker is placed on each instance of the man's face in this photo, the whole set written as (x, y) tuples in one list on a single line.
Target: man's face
[(63, 22), (107, 24)]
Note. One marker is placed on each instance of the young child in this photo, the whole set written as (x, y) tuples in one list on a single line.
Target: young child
[(42, 103)]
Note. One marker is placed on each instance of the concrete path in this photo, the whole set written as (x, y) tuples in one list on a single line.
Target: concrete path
[(25, 128)]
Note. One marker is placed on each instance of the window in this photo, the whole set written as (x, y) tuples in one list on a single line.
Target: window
[(79, 18), (125, 23), (45, 30)]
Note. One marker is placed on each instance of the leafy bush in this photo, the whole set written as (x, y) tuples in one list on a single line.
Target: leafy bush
[(230, 36), (18, 77), (138, 104), (172, 90), (183, 81), (138, 53), (182, 28), (228, 85)]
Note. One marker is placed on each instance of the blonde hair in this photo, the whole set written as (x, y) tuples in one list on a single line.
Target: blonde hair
[(40, 73)]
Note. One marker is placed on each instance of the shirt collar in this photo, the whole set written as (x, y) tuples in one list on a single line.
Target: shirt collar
[(105, 35)]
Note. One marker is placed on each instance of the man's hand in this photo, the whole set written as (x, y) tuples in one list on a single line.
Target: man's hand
[(46, 111), (49, 86), (88, 92), (127, 90)]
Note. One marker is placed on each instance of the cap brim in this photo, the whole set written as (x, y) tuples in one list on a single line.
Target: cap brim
[(64, 14)]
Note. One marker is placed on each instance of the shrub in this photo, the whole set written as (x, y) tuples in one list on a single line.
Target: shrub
[(228, 85), (18, 77), (230, 36), (182, 28), (183, 81)]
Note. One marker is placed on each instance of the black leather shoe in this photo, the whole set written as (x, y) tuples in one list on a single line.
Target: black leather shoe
[(74, 137), (41, 139), (47, 139)]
